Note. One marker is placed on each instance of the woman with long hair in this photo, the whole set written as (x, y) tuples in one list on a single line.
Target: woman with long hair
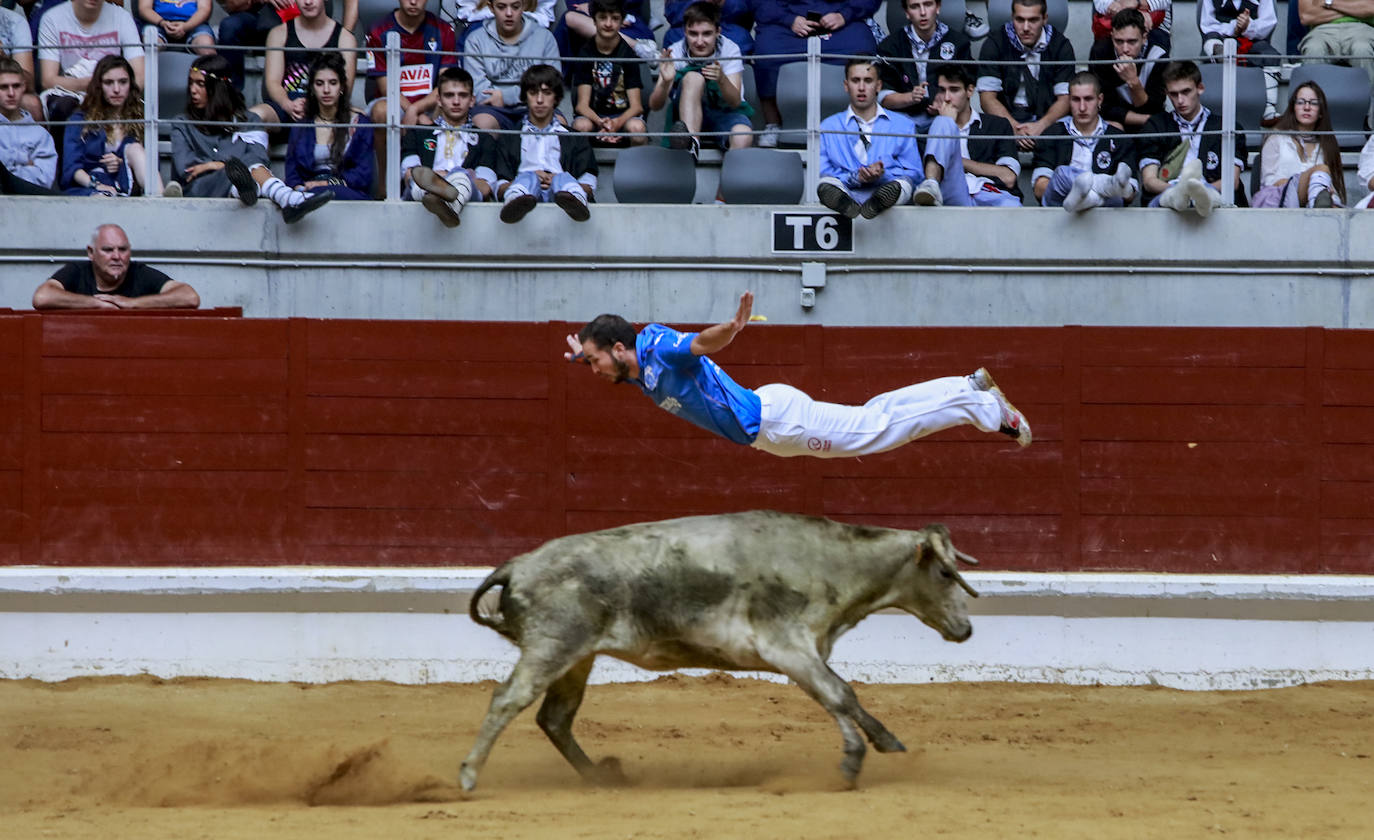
[(216, 153), (102, 150), (322, 157), (1300, 163)]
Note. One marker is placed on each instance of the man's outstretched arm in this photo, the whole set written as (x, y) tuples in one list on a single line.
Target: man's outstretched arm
[(717, 337)]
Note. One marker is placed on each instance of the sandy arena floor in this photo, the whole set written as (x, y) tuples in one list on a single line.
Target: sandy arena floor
[(712, 758)]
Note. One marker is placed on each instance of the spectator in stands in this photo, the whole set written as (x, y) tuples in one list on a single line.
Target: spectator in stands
[(445, 165), (71, 39), (248, 22), (736, 22), (1031, 96), (218, 161), (784, 27), (307, 37), (1158, 14), (469, 15), (1249, 23), (498, 54), (701, 80), (609, 91), (869, 157), (578, 28), (966, 163), (110, 279), (1366, 173), (180, 22), (1339, 30), (1133, 87), (1183, 171), (910, 54), (545, 161), (1082, 161), (1300, 163), (28, 158), (16, 42), (322, 157), (107, 159)]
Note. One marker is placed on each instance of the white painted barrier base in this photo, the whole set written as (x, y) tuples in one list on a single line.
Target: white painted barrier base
[(411, 626)]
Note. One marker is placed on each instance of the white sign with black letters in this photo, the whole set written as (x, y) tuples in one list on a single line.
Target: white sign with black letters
[(812, 233)]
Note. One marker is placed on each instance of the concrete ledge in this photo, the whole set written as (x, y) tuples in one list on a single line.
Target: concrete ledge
[(410, 626)]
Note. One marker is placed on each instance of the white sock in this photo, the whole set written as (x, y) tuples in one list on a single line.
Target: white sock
[(416, 193), (460, 181), (275, 190)]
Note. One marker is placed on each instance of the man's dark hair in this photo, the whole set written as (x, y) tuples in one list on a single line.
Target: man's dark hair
[(605, 330), (541, 76), (606, 7), (1178, 71), (1087, 77), (954, 73), (1128, 17), (454, 74), (9, 65), (1043, 4), (861, 59), (701, 12)]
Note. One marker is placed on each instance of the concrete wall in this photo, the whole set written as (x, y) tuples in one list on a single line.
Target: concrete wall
[(912, 266)]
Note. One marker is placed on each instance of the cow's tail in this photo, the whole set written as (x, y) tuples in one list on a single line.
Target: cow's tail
[(495, 619)]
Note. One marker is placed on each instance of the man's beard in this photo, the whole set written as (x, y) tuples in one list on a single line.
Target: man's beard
[(622, 371)]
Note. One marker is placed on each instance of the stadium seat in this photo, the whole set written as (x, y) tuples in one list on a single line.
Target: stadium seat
[(999, 12), (761, 176), (1347, 95), (1249, 97), (173, 66), (370, 11), (792, 98), (951, 12), (654, 175)]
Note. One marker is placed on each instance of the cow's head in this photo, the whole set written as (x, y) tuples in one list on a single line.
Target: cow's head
[(939, 596)]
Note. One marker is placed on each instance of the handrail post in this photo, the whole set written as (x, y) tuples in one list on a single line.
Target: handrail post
[(153, 177), (1228, 123), (813, 116), (393, 116)]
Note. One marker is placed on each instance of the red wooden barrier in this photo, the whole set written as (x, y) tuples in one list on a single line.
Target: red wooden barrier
[(225, 441)]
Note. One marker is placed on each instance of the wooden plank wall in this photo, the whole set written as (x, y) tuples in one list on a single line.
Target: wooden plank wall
[(225, 441)]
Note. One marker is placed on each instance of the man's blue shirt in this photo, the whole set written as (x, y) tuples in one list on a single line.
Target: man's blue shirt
[(694, 387)]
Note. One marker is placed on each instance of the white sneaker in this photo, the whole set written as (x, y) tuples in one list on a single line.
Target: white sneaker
[(974, 26), (1122, 180), (1014, 423), (647, 50), (1176, 198), (172, 190), (928, 194), (1192, 171), (768, 139), (1201, 194), (1081, 196)]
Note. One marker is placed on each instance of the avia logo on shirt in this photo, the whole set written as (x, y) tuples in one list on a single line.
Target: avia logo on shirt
[(671, 405), (651, 378)]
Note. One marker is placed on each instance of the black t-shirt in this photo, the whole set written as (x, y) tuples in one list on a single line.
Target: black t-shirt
[(79, 278), (610, 80)]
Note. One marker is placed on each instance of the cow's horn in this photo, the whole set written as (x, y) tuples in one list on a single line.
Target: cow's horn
[(969, 559)]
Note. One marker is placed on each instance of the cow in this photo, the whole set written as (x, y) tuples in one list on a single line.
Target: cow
[(756, 591)]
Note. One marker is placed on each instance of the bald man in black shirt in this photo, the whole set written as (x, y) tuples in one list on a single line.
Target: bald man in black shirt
[(109, 279)]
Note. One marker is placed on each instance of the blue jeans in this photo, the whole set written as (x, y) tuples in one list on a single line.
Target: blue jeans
[(947, 151), (527, 183)]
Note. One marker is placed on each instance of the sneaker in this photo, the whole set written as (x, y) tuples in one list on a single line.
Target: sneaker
[(515, 208), (768, 139), (1202, 196), (883, 199), (429, 181), (974, 26), (242, 179), (1014, 423), (838, 200), (1175, 198), (574, 205), (928, 194), (647, 50), (1081, 196), (312, 202), (1322, 200), (172, 190), (682, 138), (443, 209), (981, 380)]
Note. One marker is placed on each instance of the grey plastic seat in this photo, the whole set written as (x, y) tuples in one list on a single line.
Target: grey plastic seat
[(792, 98), (951, 13), (1347, 95), (654, 175), (761, 176), (1249, 97), (999, 12), (173, 66)]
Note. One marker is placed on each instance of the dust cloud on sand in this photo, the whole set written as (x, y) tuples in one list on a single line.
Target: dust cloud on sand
[(713, 757)]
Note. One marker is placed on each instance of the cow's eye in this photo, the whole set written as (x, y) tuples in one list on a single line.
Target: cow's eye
[(946, 573)]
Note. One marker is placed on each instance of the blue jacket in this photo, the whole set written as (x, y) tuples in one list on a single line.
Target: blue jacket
[(781, 12), (900, 155), (27, 150), (355, 174), (80, 153)]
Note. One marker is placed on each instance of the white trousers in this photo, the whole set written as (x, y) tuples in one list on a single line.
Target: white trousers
[(794, 424)]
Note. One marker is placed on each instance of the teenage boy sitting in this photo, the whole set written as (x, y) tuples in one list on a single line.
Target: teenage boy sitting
[(702, 76), (545, 161), (868, 155), (444, 165), (609, 89)]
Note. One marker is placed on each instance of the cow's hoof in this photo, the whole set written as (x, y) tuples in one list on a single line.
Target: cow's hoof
[(608, 773), (467, 778), (889, 744)]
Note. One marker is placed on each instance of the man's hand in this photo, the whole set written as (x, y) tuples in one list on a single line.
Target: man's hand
[(1025, 135), (1118, 5), (872, 172), (667, 70), (113, 301), (576, 354), (296, 108), (711, 72), (173, 28), (834, 21), (494, 98), (746, 307), (1128, 72), (1242, 22), (802, 28), (945, 108)]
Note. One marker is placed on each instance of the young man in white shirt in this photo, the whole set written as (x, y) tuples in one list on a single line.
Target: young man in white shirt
[(71, 39), (545, 161)]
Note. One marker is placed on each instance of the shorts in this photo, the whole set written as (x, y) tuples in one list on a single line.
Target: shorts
[(283, 116), (508, 117), (202, 29)]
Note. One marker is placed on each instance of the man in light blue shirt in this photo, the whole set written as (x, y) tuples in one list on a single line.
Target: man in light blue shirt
[(870, 161), (673, 370)]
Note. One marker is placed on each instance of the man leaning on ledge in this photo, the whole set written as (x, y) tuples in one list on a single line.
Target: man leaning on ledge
[(110, 279)]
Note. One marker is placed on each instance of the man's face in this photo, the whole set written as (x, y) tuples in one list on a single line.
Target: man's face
[(109, 254), (607, 362), (701, 39), (509, 16), (954, 92), (1029, 22), (1186, 96), (11, 90), (923, 14), (455, 100), (1084, 104), (1128, 41), (311, 8), (90, 8), (541, 101), (861, 83), (412, 8), (608, 24)]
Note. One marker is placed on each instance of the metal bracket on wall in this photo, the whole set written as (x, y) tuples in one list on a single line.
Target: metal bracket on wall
[(812, 278)]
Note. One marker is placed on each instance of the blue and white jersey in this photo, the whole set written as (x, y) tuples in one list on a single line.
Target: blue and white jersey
[(694, 387)]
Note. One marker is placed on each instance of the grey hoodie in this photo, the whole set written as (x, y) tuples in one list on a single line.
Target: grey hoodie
[(535, 45), (27, 150)]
